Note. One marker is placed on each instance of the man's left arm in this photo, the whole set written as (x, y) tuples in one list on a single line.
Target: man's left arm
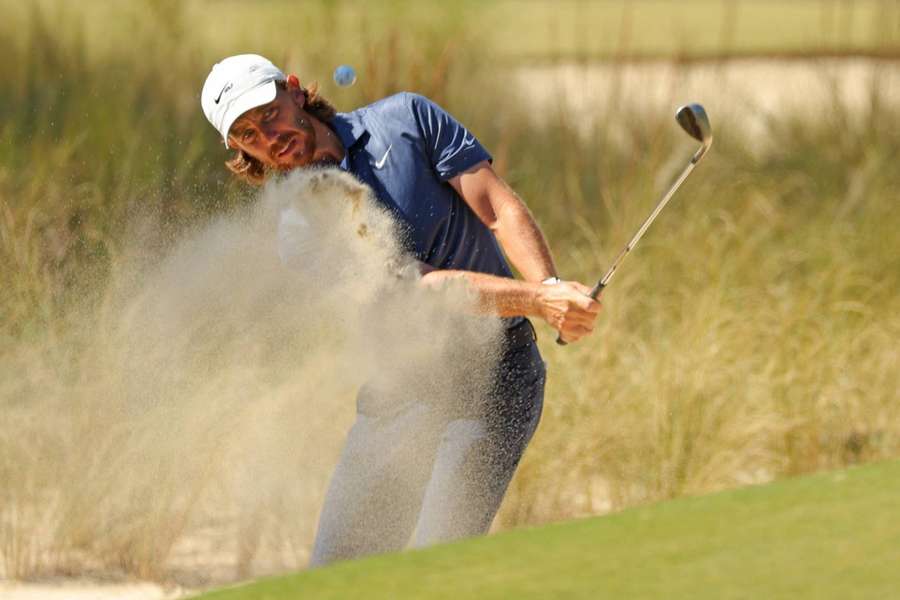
[(506, 215)]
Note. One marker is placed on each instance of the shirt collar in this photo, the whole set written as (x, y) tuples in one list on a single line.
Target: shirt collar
[(351, 130)]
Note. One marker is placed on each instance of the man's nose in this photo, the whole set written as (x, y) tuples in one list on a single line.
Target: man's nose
[(270, 135)]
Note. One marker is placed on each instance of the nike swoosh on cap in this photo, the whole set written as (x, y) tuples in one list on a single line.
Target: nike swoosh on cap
[(224, 89)]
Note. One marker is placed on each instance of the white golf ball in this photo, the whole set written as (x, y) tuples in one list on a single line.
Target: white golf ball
[(344, 76)]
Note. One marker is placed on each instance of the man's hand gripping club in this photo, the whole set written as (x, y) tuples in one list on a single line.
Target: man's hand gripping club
[(568, 307)]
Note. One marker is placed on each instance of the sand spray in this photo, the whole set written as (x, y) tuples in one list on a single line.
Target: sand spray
[(189, 429)]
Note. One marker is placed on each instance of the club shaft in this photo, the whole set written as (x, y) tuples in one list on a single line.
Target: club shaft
[(646, 224), (595, 292)]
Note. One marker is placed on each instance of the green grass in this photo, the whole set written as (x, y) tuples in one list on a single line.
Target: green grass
[(833, 535)]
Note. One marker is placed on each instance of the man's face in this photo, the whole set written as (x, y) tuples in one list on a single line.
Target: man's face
[(280, 134)]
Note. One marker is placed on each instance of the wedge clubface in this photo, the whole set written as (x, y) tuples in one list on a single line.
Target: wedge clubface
[(695, 122)]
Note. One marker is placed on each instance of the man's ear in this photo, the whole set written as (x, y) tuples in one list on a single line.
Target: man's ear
[(297, 93)]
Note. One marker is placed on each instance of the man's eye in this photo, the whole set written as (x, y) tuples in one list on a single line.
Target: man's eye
[(248, 136)]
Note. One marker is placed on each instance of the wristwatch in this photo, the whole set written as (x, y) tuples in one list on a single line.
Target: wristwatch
[(551, 280)]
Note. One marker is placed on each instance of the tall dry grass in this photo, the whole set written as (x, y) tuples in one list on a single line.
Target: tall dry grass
[(751, 336)]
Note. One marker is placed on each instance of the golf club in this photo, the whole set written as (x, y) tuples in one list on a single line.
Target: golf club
[(694, 121)]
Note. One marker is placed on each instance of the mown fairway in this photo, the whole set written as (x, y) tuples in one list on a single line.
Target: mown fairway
[(834, 535)]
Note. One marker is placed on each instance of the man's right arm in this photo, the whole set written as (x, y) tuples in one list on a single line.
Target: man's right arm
[(566, 306)]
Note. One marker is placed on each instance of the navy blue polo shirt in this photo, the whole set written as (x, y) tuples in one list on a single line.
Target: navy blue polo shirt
[(406, 148)]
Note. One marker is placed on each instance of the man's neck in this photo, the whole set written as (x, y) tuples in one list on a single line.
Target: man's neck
[(330, 146)]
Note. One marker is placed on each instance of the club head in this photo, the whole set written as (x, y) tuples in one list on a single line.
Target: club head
[(693, 119)]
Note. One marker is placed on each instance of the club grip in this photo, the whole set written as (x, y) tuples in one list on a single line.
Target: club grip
[(595, 293)]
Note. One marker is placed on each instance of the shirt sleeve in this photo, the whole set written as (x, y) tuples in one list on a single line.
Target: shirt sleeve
[(449, 145)]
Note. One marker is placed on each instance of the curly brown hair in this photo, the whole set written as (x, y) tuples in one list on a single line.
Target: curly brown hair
[(254, 171)]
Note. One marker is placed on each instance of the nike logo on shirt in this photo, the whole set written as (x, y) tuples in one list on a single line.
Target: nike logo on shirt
[(381, 162)]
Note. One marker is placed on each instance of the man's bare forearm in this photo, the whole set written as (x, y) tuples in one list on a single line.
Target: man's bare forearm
[(566, 306), (504, 213), (522, 240), (501, 296)]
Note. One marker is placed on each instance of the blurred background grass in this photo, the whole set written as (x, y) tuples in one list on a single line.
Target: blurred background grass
[(753, 335)]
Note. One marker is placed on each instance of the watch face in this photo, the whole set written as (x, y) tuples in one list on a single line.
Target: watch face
[(551, 281)]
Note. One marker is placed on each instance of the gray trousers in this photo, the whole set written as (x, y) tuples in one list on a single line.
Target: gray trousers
[(422, 474)]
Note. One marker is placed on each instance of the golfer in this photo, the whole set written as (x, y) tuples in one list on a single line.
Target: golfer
[(434, 176)]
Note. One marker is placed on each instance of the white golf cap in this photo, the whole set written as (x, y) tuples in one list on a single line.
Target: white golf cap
[(234, 86)]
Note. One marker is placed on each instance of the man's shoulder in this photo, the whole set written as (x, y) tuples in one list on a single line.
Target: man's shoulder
[(402, 105)]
